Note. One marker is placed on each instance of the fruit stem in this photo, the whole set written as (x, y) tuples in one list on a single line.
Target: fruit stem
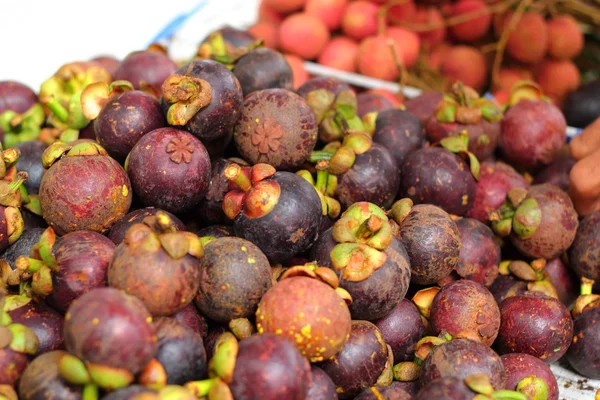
[(234, 173), (201, 388), (28, 264), (320, 155), (19, 180), (586, 285), (57, 109), (322, 175), (90, 392), (369, 227)]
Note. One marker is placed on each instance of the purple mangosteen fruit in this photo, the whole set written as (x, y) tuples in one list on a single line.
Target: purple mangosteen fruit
[(30, 161), (119, 230), (45, 322), (263, 68), (330, 85), (233, 37), (401, 329), (210, 209), (216, 231), (145, 69), (520, 368), (369, 102), (563, 279), (507, 286), (392, 392), (480, 253), (16, 96), (321, 385), (193, 319), (42, 380), (556, 173), (400, 132), (584, 253), (583, 353), (109, 63), (22, 247), (130, 393), (424, 105)]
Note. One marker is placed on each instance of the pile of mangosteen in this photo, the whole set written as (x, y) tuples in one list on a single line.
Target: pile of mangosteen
[(208, 230)]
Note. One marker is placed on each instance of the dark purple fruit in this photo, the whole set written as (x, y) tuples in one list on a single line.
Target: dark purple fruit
[(46, 323), (41, 380), (563, 279), (480, 253), (169, 169), (288, 371), (519, 366), (401, 329), (109, 63), (411, 387), (460, 358), (372, 102), (12, 365), (400, 132), (432, 241), (583, 353), (234, 276), (208, 118), (32, 221), (216, 231), (180, 351), (321, 386), (437, 176), (22, 247), (584, 254), (143, 68), (235, 37), (277, 127), (534, 324), (210, 209), (332, 85), (16, 97), (424, 105), (263, 68), (361, 361), (110, 328), (83, 188), (507, 286), (392, 392), (465, 306), (30, 161), (128, 393), (557, 173), (124, 119), (447, 388), (191, 317), (119, 230)]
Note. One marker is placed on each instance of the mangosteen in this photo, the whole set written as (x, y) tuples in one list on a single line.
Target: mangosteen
[(401, 329), (11, 198), (392, 392), (41, 379), (30, 161), (480, 253), (193, 319), (534, 324), (169, 169), (157, 264), (16, 96), (437, 176), (522, 371), (582, 106), (541, 221), (400, 132), (369, 102), (584, 253), (321, 385), (371, 264), (331, 208), (307, 307), (82, 188), (119, 230), (145, 69), (463, 112), (330, 85), (44, 322), (276, 127), (215, 231), (361, 361), (280, 212), (424, 105), (203, 97), (234, 276), (263, 68), (210, 209), (449, 388), (22, 247), (507, 286), (232, 37), (556, 173), (583, 353), (563, 279)]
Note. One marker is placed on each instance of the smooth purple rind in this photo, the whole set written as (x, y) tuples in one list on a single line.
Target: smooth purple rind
[(151, 67), (584, 254), (45, 322), (41, 379), (332, 85), (16, 97), (480, 253), (321, 385), (584, 354), (372, 102), (118, 231), (448, 388), (401, 132), (401, 329), (519, 366), (30, 161), (263, 68)]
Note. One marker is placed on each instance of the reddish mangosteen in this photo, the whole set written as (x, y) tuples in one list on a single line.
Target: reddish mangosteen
[(479, 253), (169, 169), (460, 358), (30, 161), (361, 361), (234, 276), (191, 317), (203, 97), (584, 254), (437, 176), (424, 105), (210, 209), (145, 69), (563, 279), (321, 386), (157, 264), (507, 286), (119, 230), (369, 102), (263, 68), (495, 180), (45, 322), (372, 265), (276, 127), (541, 221), (556, 173), (463, 111), (392, 392), (41, 379), (330, 85), (83, 188), (16, 97), (400, 132), (308, 308), (465, 306), (522, 371), (280, 212), (534, 324), (401, 329)]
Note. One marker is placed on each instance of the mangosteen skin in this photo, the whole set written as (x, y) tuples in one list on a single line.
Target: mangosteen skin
[(321, 386), (557, 173), (82, 258), (564, 280), (276, 127), (242, 269), (400, 132), (533, 132), (411, 387), (582, 106), (263, 68), (145, 67), (374, 177), (291, 226), (237, 37), (180, 351), (12, 365), (32, 221), (191, 317), (216, 231), (217, 119), (372, 102), (84, 193), (214, 331), (558, 226), (460, 358), (507, 286), (210, 209), (480, 253), (483, 135), (169, 169), (108, 327), (118, 230), (519, 366), (401, 329), (432, 241), (392, 392), (583, 354), (288, 374), (16, 97), (376, 296), (584, 254), (30, 161), (447, 388), (109, 63), (124, 119), (45, 322), (437, 176), (465, 306), (41, 380), (332, 85), (128, 393), (534, 324), (22, 247), (424, 105), (361, 361)]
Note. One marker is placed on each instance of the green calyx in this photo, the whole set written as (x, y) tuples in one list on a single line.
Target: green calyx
[(17, 337), (336, 114), (586, 299), (60, 149), (211, 389), (400, 210), (533, 388), (153, 376), (524, 90), (341, 156), (242, 328), (186, 96), (519, 214), (480, 384), (222, 363), (92, 376), (174, 392), (459, 145), (24, 127), (10, 192), (527, 219), (217, 49), (96, 95), (426, 344), (330, 206), (464, 106), (533, 273), (8, 161)]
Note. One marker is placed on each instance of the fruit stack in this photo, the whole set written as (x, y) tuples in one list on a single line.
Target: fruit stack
[(206, 229)]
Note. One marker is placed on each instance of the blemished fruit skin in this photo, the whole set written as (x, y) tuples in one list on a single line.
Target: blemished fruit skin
[(584, 253), (519, 366), (41, 379)]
